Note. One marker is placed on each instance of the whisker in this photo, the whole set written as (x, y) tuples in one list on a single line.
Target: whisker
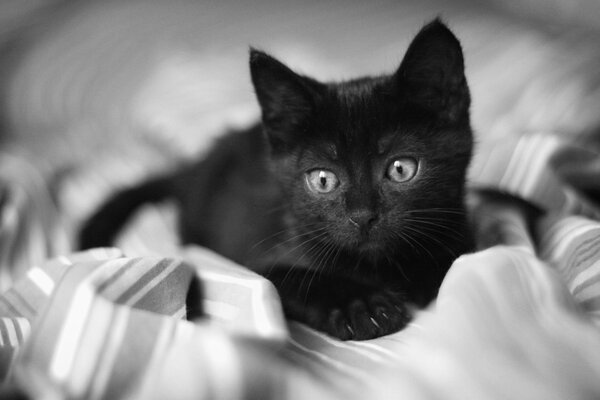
[(404, 238), (304, 253), (290, 239), (275, 209), (435, 218), (431, 237), (338, 251), (286, 230), (310, 268), (322, 233), (440, 210), (398, 265), (324, 257), (428, 225), (417, 242)]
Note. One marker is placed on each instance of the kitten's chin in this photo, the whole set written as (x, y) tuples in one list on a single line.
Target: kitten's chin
[(368, 246), (370, 249)]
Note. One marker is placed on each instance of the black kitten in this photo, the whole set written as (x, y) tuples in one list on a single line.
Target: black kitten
[(349, 197)]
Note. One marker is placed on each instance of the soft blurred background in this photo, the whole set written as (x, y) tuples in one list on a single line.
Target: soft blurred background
[(98, 94), (90, 73)]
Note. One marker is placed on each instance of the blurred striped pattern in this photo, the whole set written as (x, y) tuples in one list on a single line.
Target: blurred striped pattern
[(507, 324)]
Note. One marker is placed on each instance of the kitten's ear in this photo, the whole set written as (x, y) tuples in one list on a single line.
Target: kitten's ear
[(432, 72), (287, 99)]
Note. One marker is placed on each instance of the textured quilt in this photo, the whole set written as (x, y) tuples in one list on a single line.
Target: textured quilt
[(519, 319)]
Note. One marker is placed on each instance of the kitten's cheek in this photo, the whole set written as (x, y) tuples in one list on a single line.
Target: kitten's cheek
[(343, 235)]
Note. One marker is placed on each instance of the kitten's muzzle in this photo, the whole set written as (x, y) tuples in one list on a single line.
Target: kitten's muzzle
[(363, 219)]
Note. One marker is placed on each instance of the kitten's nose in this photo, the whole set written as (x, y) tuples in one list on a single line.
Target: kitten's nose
[(363, 218)]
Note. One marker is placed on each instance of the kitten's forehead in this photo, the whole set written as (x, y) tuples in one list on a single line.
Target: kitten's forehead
[(373, 147), (375, 144), (362, 116), (369, 117), (386, 142)]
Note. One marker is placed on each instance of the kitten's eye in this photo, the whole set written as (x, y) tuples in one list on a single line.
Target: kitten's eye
[(322, 181), (402, 169)]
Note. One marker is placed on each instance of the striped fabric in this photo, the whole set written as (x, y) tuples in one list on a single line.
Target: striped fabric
[(517, 320)]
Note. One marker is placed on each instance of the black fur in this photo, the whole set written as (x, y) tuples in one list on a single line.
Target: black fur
[(348, 261)]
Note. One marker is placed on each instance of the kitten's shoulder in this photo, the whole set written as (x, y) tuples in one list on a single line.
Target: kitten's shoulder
[(239, 146), (245, 141), (235, 150)]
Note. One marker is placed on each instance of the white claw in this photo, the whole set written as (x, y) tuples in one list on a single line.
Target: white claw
[(350, 329)]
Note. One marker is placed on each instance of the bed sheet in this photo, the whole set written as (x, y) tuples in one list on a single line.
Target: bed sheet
[(518, 320)]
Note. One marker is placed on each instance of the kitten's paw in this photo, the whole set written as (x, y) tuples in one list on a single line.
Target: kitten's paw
[(368, 317), (341, 307)]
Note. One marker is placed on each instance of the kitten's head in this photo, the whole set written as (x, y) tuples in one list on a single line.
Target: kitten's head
[(367, 162)]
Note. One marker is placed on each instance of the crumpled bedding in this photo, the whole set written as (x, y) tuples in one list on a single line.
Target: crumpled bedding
[(518, 320)]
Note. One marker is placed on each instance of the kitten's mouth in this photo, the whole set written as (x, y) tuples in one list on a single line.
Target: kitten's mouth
[(367, 243), (369, 246), (364, 242)]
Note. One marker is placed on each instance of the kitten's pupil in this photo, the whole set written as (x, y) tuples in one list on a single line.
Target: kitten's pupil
[(323, 179), (399, 168)]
